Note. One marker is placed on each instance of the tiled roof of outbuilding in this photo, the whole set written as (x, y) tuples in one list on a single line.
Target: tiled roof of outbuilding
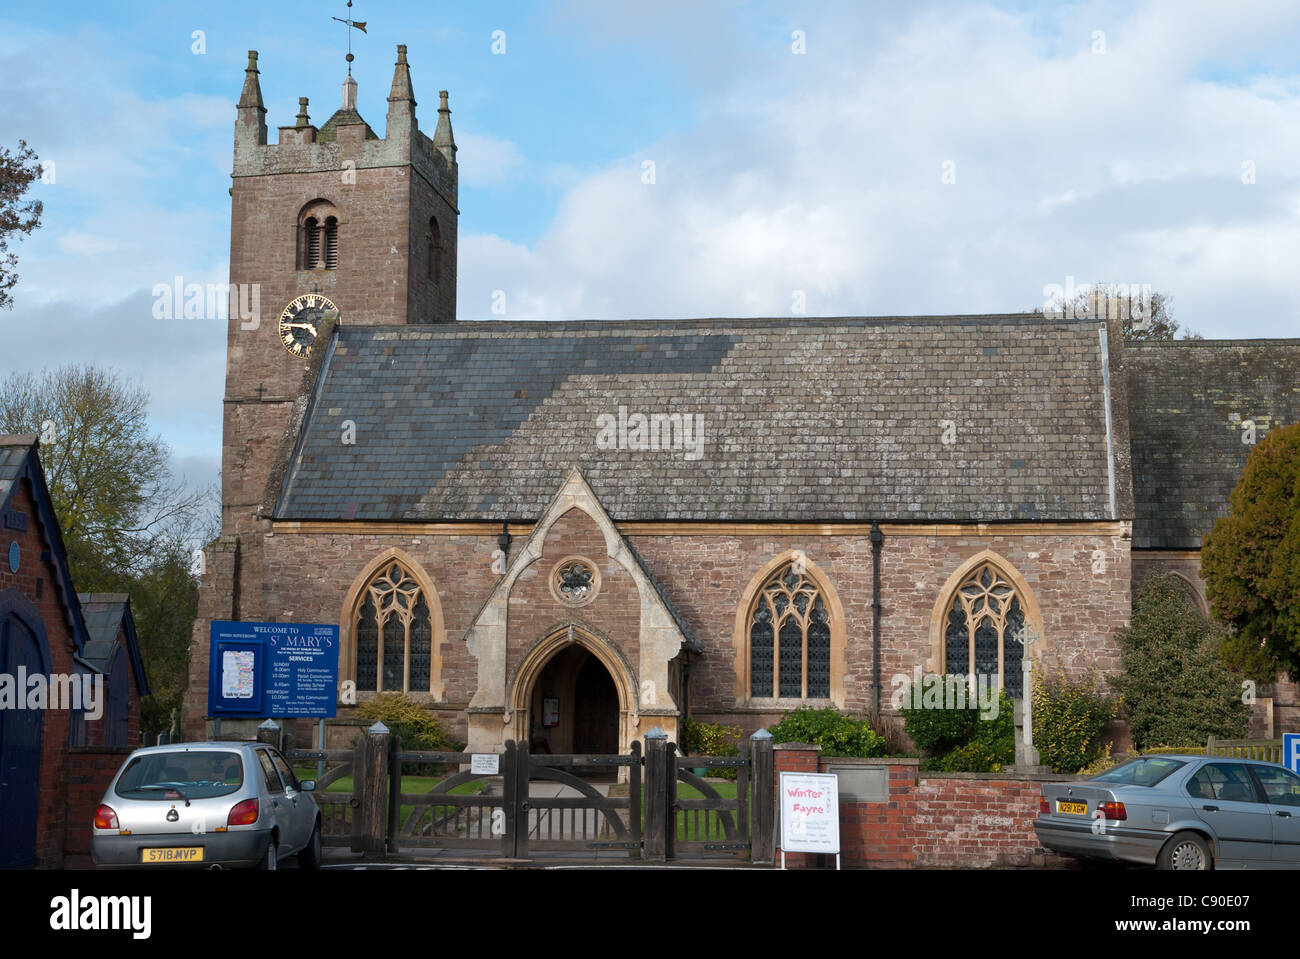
[(1188, 400), (804, 419)]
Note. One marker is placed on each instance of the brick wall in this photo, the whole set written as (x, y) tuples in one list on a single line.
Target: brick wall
[(36, 580), (93, 768), (934, 821)]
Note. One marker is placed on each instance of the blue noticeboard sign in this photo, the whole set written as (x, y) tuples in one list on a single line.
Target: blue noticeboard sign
[(283, 670), (1291, 752)]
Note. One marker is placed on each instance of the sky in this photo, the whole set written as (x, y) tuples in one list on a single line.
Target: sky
[(677, 159)]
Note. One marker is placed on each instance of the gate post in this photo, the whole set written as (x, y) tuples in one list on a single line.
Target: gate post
[(269, 733), (656, 796), (510, 814), (518, 811), (394, 793), (370, 775), (764, 840)]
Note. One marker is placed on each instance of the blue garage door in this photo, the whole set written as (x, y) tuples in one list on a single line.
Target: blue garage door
[(20, 748)]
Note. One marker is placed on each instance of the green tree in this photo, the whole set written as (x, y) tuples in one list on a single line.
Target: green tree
[(109, 475), (128, 525), (1251, 560), (1175, 688), (17, 217)]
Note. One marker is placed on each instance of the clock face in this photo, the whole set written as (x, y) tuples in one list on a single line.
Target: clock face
[(301, 321)]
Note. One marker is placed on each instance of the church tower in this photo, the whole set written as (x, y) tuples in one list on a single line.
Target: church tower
[(329, 220)]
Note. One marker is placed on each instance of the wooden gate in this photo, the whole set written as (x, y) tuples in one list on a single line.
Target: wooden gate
[(712, 825), (444, 819), (337, 809), (588, 822), (514, 805)]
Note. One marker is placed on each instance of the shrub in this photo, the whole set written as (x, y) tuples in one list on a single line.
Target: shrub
[(958, 740), (835, 733), (1069, 719), (711, 739), (937, 730), (992, 745), (1175, 687), (419, 729)]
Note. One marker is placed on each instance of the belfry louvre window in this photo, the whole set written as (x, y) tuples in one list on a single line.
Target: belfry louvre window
[(790, 639), (394, 634), (331, 243), (984, 627), (311, 243)]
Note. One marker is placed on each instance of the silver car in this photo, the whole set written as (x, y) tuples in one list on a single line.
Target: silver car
[(211, 805), (1178, 812)]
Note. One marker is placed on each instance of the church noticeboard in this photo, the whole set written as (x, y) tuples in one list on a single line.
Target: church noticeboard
[(283, 670), (810, 813)]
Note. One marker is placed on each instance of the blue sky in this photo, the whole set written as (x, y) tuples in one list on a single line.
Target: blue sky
[(1122, 158)]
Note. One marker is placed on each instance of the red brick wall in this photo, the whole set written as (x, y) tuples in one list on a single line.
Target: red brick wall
[(952, 821), (93, 768), (36, 581)]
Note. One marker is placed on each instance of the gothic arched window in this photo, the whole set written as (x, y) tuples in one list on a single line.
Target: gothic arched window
[(983, 629), (789, 632), (393, 631)]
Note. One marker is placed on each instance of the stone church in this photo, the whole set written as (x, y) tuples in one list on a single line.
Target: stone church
[(569, 533)]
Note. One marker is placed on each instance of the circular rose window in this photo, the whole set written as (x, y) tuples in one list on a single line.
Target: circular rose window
[(575, 581)]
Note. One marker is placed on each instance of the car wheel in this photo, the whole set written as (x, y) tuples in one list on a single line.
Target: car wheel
[(310, 856), (270, 861), (1186, 850)]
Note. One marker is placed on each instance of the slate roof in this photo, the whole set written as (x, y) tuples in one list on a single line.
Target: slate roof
[(1187, 401), (328, 132), (20, 460), (804, 419), (103, 613)]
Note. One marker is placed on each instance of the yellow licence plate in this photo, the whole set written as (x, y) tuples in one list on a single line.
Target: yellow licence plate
[(172, 854), (1073, 808)]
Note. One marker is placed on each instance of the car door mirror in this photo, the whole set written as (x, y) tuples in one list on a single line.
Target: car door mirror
[(307, 785)]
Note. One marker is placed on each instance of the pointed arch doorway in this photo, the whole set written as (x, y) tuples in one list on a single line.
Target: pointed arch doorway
[(572, 694)]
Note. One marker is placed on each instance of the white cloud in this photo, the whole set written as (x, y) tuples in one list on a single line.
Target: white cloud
[(822, 173)]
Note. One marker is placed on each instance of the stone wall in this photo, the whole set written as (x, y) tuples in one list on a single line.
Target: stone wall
[(1079, 581)]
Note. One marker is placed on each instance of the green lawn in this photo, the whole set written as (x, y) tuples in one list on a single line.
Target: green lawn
[(410, 784)]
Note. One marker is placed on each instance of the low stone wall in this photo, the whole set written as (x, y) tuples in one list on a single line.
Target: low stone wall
[(893, 816)]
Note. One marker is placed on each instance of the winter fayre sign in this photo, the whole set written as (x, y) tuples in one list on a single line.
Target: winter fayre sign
[(810, 813)]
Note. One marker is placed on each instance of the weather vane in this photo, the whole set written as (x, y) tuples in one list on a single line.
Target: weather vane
[(360, 25)]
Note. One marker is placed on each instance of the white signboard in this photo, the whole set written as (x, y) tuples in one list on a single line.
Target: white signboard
[(237, 674), (810, 813), (487, 764)]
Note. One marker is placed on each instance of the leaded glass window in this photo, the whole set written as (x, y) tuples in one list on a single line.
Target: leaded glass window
[(984, 634), (393, 630), (790, 639)]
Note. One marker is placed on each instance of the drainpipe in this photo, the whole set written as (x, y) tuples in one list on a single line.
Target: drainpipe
[(503, 542), (877, 538)]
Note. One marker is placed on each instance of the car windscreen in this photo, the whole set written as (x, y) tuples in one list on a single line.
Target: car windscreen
[(193, 774), (1146, 771)]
